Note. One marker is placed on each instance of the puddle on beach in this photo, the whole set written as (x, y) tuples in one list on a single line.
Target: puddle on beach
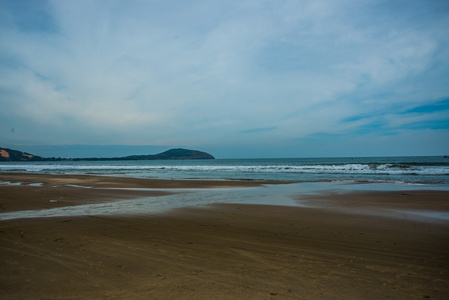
[(10, 183), (279, 194), (158, 204)]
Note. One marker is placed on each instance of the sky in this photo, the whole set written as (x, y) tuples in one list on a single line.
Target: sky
[(236, 78)]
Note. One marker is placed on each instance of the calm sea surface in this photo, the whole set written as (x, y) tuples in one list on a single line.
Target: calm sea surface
[(423, 169)]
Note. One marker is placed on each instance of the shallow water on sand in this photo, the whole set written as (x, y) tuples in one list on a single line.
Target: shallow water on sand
[(279, 194)]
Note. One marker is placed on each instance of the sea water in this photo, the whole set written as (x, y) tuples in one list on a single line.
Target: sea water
[(305, 176), (422, 169)]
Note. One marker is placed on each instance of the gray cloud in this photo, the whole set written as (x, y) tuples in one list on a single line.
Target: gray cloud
[(196, 73)]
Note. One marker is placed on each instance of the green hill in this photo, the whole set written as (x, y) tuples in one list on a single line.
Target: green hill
[(175, 154)]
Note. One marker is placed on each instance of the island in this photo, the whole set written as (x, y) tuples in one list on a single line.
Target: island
[(172, 154)]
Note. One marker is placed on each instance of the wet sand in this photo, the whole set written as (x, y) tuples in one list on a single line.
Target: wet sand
[(227, 251), (41, 191), (122, 182)]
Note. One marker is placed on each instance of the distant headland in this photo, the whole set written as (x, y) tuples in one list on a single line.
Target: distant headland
[(172, 154)]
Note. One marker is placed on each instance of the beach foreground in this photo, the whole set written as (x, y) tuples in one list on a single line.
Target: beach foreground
[(225, 251)]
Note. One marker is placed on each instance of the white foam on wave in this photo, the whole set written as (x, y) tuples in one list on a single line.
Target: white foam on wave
[(392, 169)]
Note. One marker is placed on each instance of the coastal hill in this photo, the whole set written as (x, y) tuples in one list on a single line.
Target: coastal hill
[(176, 154), (14, 155), (172, 154)]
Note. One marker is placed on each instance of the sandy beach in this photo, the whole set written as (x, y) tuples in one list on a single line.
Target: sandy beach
[(219, 251), (35, 190)]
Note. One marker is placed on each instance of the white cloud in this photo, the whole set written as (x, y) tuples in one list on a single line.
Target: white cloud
[(199, 72)]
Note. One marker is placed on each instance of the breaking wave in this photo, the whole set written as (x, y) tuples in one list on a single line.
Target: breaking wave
[(393, 169)]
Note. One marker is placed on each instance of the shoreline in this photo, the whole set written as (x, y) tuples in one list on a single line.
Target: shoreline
[(98, 181), (222, 250), (23, 191)]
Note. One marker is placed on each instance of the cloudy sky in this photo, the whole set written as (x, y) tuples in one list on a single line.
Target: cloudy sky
[(237, 78)]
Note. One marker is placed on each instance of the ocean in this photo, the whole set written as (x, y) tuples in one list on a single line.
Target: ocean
[(418, 170), (306, 176)]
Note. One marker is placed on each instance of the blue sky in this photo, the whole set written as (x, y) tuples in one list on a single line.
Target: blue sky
[(239, 78)]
